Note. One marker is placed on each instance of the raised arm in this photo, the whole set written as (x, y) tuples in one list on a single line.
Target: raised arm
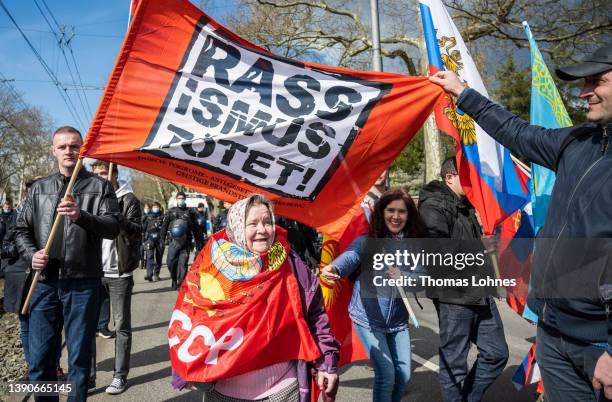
[(538, 144)]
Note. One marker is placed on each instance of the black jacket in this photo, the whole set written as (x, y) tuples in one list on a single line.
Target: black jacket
[(221, 221), (16, 283), (580, 208), (447, 216), (8, 249), (128, 241), (187, 215), (79, 255), (13, 268)]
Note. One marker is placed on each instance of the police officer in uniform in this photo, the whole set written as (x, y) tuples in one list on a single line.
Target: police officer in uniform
[(153, 244), (180, 222)]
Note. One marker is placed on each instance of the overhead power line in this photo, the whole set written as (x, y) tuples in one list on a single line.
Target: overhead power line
[(94, 35), (61, 90), (87, 114)]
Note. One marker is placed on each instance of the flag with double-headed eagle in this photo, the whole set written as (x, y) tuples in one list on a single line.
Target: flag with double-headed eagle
[(488, 175)]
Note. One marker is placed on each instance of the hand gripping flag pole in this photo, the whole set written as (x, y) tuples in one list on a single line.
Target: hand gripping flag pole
[(57, 223)]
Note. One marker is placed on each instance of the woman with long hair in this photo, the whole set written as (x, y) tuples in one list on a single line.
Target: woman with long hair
[(382, 322)]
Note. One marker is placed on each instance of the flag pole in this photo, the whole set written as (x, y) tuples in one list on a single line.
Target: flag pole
[(132, 9), (376, 58), (57, 223), (404, 297)]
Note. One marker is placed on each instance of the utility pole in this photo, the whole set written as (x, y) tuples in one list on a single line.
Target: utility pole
[(433, 146), (376, 58)]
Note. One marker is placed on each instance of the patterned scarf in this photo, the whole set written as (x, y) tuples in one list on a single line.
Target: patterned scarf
[(231, 256)]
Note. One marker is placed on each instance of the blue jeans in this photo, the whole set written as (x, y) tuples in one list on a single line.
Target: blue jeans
[(567, 367), (24, 323), (461, 325), (77, 301), (390, 354)]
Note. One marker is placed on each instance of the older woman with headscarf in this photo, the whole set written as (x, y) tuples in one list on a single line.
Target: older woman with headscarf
[(249, 319)]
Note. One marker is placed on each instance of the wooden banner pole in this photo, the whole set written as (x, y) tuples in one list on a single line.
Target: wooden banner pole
[(110, 171), (57, 223)]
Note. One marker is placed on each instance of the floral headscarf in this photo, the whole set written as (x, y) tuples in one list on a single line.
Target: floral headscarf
[(232, 258)]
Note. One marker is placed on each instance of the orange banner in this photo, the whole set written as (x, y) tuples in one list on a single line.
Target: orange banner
[(192, 102)]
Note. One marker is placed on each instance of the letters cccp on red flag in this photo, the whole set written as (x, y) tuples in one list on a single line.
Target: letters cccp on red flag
[(192, 102)]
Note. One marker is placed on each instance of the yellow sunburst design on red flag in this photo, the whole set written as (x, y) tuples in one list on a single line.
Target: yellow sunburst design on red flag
[(329, 251)]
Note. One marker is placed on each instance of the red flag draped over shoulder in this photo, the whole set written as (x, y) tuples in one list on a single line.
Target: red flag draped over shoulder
[(194, 103), (221, 328), (337, 297)]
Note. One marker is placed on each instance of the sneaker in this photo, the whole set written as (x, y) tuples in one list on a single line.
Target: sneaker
[(117, 386), (105, 333)]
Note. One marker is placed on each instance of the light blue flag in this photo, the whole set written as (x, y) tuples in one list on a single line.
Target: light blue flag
[(547, 110)]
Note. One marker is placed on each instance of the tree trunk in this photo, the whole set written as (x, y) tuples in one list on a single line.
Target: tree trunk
[(433, 152), (161, 193), (21, 185)]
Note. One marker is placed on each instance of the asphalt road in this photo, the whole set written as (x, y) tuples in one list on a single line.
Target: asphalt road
[(149, 378)]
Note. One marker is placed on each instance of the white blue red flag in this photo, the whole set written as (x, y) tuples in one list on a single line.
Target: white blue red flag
[(488, 175), (528, 372)]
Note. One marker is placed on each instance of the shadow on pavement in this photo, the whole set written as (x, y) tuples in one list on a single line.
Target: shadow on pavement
[(157, 290), (162, 324), (155, 355), (503, 389), (187, 396)]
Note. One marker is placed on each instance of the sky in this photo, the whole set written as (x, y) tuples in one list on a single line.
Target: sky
[(99, 28)]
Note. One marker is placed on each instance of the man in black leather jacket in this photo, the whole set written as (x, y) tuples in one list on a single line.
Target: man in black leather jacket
[(70, 274), (571, 288), (466, 314)]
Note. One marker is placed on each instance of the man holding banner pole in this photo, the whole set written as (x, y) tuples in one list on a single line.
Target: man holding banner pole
[(59, 233), (571, 276)]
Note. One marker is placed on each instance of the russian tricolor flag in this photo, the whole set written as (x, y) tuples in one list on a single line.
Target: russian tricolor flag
[(528, 372), (488, 175)]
